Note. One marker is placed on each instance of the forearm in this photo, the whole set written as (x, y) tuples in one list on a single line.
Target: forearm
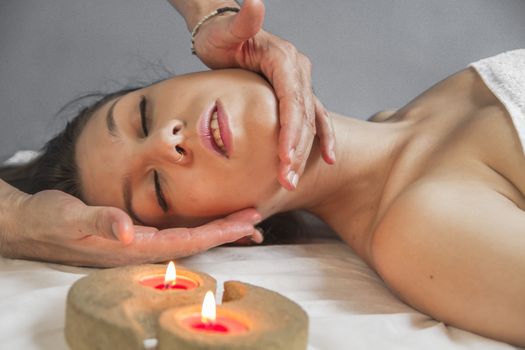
[(194, 10), (10, 202)]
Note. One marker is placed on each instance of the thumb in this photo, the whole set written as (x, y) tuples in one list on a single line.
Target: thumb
[(108, 222), (248, 21)]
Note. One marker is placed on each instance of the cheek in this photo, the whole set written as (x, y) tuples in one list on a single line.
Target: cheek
[(225, 191), (209, 192)]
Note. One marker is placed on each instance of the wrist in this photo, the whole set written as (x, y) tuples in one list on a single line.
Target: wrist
[(216, 13), (202, 9), (11, 202)]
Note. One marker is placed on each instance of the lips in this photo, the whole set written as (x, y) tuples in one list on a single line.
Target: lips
[(214, 130)]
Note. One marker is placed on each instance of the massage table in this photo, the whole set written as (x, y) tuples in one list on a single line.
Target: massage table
[(349, 306)]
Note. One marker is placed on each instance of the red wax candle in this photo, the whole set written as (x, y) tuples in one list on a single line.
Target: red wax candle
[(221, 325), (157, 282), (169, 281)]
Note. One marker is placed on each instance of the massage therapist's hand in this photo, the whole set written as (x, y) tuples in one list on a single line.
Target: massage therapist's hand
[(54, 226), (237, 40)]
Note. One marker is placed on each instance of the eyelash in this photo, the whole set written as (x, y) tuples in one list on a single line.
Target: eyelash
[(158, 190), (144, 120)]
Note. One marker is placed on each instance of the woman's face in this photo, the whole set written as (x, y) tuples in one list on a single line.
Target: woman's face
[(225, 125)]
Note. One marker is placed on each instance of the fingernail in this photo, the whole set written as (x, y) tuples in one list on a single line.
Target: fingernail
[(295, 180), (114, 230), (292, 178), (332, 154), (291, 154)]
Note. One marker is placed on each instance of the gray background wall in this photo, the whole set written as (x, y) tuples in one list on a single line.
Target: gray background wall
[(368, 55)]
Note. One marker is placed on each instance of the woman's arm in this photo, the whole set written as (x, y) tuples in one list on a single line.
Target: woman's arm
[(238, 40)]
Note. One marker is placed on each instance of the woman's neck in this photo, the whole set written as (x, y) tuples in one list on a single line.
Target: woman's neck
[(347, 195)]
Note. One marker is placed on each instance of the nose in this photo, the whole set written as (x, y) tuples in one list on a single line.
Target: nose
[(168, 142)]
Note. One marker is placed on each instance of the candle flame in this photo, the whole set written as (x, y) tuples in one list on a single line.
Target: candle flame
[(208, 313), (171, 274)]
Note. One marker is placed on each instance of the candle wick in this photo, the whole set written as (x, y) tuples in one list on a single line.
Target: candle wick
[(168, 284)]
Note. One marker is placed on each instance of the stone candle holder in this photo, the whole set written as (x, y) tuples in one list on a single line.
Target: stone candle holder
[(112, 309)]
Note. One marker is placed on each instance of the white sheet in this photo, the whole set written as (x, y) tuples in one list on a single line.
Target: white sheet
[(348, 305)]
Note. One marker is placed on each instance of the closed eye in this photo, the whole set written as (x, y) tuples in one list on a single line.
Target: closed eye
[(144, 119), (159, 193)]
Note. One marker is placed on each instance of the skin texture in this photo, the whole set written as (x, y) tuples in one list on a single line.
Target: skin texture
[(435, 206)]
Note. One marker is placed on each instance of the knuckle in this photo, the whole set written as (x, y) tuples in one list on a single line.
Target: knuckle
[(298, 98), (310, 120), (186, 234), (288, 47), (310, 126), (98, 225), (300, 155)]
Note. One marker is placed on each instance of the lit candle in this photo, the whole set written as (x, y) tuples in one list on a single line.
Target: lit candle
[(170, 280), (208, 321), (114, 309), (249, 317)]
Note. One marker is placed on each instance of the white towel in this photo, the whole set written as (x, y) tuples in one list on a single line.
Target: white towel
[(504, 75)]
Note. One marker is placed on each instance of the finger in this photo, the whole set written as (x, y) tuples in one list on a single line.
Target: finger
[(144, 232), (188, 241), (249, 215), (108, 222), (248, 21), (325, 132), (297, 133), (308, 129), (255, 238), (303, 150), (290, 113)]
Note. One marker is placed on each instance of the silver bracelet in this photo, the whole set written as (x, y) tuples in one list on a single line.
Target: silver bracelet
[(206, 18)]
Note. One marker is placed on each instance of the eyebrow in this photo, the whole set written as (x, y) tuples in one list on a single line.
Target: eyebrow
[(110, 120)]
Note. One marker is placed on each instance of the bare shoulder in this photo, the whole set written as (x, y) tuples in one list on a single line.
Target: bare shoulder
[(418, 215), (454, 250)]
